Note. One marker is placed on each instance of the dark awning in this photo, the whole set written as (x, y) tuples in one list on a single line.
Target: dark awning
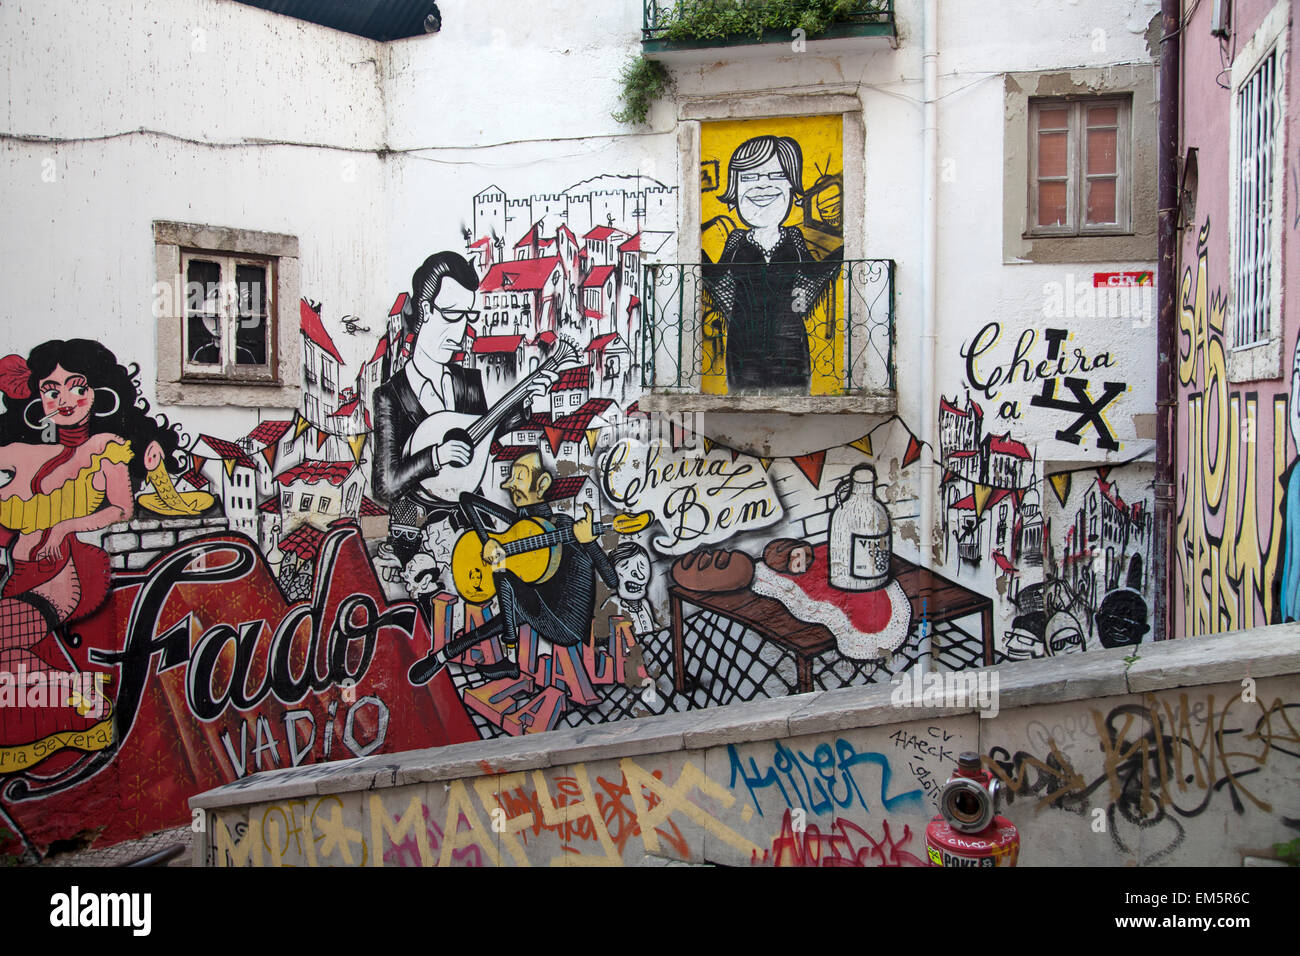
[(376, 19)]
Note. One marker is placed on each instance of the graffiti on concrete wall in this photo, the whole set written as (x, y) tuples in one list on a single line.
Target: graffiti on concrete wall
[(1165, 762), (1138, 780), (608, 813)]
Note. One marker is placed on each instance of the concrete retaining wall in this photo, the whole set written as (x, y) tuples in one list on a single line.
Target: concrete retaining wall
[(1188, 755)]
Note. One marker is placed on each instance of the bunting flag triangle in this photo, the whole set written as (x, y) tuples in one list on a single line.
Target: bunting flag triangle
[(811, 466), (356, 443), (592, 435), (863, 445), (709, 444), (1103, 473), (913, 451), (269, 453), (553, 437), (197, 461), (766, 463), (230, 466), (1061, 485), (734, 454), (982, 495), (321, 438), (300, 424)]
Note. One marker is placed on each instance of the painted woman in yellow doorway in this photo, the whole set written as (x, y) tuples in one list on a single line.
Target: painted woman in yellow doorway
[(765, 281)]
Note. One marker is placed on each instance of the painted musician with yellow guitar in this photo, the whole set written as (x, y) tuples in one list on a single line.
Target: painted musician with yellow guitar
[(542, 568)]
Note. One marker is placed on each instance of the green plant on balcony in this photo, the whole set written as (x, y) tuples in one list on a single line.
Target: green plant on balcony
[(644, 81), (726, 22), (718, 19)]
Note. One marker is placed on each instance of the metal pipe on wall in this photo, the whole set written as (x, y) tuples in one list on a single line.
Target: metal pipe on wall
[(1166, 342), (928, 382)]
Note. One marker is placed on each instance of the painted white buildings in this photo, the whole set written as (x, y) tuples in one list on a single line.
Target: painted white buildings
[(318, 492)]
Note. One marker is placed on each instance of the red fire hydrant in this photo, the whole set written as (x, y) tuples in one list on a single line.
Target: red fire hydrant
[(968, 831)]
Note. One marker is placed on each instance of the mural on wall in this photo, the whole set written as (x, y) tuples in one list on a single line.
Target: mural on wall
[(1053, 366), (814, 596), (1235, 530), (152, 645), (1067, 546), (1095, 589), (771, 244), (698, 498), (76, 448), (479, 532)]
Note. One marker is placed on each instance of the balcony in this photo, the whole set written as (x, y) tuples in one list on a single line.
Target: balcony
[(782, 337), (664, 32)]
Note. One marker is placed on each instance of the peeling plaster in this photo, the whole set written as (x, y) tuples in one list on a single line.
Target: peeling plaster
[(1153, 34)]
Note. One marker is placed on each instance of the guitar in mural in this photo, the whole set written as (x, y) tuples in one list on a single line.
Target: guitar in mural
[(475, 431), (532, 549)]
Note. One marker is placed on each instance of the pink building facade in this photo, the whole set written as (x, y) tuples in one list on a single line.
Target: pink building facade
[(1238, 409)]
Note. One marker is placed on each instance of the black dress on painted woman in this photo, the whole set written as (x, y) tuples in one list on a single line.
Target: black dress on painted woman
[(764, 301)]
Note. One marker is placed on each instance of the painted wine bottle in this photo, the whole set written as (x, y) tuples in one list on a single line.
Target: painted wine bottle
[(861, 542)]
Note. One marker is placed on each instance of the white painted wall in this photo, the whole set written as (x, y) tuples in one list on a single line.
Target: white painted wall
[(502, 71), (203, 111)]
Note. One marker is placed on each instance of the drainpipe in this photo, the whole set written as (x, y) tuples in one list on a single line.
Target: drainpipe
[(929, 381), (1166, 274)]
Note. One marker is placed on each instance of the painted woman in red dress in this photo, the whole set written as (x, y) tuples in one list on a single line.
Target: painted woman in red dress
[(78, 441)]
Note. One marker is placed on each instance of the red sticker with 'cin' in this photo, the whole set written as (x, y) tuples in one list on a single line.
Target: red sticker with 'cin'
[(1105, 279)]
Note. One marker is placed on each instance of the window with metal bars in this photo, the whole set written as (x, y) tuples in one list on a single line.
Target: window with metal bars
[(1256, 136)]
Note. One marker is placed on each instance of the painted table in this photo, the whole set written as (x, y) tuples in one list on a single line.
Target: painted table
[(944, 600)]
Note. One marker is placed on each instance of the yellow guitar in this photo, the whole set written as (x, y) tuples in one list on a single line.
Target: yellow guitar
[(532, 549)]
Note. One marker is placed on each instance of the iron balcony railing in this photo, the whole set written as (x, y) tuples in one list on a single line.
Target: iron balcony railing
[(811, 328), (662, 28)]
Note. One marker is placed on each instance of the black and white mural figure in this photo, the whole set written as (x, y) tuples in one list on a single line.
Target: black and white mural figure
[(1122, 618), (433, 427), (437, 314), (422, 578), (632, 566)]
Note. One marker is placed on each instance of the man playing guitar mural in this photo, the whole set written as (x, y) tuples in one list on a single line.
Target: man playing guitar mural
[(560, 608), (438, 311)]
